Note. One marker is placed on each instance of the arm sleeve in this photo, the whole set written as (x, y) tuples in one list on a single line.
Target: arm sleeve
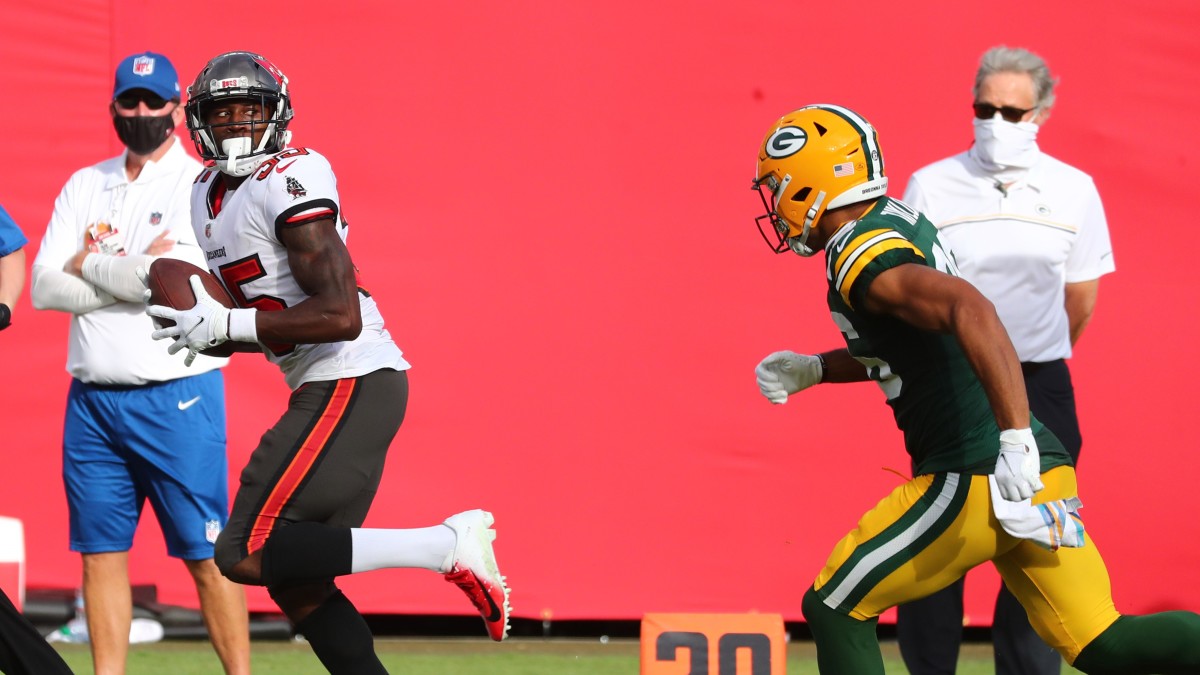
[(51, 287), (55, 289), (117, 275)]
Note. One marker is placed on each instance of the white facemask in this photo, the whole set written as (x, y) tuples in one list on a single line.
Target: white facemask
[(1001, 145)]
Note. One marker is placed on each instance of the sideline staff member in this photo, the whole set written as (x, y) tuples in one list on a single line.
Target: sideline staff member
[(1029, 232)]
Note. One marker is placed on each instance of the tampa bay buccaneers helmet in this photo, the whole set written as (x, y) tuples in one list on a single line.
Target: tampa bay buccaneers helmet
[(239, 75), (817, 158)]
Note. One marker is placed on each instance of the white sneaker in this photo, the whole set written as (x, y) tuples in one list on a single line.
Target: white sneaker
[(474, 569)]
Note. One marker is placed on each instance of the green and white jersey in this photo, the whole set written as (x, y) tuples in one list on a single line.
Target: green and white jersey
[(938, 402)]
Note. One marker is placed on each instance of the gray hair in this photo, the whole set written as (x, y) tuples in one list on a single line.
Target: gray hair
[(1016, 60)]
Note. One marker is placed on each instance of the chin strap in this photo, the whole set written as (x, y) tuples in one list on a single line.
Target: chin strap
[(799, 245)]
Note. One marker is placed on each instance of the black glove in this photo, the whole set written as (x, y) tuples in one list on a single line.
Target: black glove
[(5, 316)]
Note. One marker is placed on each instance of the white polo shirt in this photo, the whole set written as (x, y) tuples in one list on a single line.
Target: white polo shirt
[(1019, 245), (112, 344)]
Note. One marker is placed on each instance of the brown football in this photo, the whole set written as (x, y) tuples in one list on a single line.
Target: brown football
[(169, 285)]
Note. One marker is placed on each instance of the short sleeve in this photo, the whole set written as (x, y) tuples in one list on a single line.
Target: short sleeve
[(11, 236), (914, 196), (301, 188), (1091, 256), (865, 256)]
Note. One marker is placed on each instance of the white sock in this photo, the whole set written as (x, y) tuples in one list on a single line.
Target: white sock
[(430, 548)]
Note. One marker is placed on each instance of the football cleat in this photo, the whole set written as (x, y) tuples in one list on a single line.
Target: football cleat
[(474, 569)]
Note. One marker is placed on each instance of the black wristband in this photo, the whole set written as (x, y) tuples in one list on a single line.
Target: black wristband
[(821, 359), (5, 316)]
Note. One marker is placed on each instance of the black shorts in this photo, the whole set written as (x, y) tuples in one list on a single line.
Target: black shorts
[(321, 462)]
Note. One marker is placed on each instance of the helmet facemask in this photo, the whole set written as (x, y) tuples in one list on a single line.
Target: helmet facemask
[(782, 235)]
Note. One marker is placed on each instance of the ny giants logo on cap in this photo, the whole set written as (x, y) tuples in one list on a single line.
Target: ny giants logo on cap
[(143, 65)]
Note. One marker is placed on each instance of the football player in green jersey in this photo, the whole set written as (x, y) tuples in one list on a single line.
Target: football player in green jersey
[(992, 483)]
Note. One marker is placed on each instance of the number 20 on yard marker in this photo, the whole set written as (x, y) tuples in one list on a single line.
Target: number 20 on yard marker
[(713, 644)]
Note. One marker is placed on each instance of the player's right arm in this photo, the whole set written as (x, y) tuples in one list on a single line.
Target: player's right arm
[(934, 301)]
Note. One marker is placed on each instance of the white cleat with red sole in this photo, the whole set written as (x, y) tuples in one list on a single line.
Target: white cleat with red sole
[(474, 569)]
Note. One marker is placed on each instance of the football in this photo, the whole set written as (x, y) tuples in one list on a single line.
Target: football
[(170, 285)]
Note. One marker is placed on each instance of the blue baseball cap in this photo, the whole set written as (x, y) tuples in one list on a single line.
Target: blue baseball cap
[(147, 71)]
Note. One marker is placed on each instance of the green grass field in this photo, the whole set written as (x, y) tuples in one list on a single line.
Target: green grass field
[(453, 656)]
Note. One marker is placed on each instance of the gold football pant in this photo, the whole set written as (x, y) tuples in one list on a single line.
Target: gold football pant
[(928, 532)]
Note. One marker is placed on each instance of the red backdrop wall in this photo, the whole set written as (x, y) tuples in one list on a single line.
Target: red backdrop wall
[(551, 202)]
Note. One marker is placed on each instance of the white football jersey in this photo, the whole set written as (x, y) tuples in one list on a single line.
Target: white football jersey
[(239, 232)]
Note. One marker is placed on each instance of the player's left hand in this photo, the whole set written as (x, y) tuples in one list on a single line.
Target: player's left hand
[(204, 326), (784, 373), (1019, 466)]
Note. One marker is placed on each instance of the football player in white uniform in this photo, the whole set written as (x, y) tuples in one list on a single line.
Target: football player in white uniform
[(270, 222)]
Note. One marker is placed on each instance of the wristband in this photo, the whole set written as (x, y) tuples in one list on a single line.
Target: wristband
[(821, 360), (243, 326), (1018, 437)]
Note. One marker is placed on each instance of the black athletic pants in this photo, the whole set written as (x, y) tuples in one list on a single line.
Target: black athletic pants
[(930, 629), (23, 650)]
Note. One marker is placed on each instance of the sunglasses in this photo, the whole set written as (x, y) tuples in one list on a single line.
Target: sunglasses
[(986, 111), (130, 100)]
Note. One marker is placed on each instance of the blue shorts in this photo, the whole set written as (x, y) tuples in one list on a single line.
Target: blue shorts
[(164, 442)]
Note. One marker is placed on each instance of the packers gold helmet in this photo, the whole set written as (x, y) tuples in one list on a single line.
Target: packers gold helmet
[(817, 158)]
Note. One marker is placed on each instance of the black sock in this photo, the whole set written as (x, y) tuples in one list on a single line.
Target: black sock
[(845, 645), (305, 552), (1167, 642), (341, 639)]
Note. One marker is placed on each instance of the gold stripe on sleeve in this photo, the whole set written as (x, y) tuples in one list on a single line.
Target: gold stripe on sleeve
[(864, 258)]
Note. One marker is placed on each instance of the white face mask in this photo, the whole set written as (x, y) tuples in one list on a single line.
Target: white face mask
[(1004, 145)]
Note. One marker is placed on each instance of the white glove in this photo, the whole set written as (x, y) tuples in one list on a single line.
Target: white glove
[(204, 326), (1018, 468), (784, 373)]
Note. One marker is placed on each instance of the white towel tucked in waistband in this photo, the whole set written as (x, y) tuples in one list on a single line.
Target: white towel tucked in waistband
[(1050, 525)]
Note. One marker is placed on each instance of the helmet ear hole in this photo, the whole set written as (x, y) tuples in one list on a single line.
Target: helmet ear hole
[(801, 194)]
